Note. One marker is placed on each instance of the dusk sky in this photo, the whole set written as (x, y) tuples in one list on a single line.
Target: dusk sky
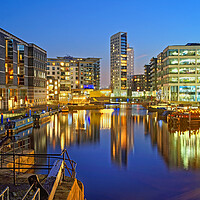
[(83, 28)]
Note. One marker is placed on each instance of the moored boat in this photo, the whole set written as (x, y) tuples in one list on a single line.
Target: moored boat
[(14, 126), (187, 116), (41, 118)]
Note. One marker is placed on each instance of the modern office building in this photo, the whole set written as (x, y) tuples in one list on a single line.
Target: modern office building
[(15, 71), (147, 76), (139, 82), (181, 70), (74, 74), (130, 66), (118, 63)]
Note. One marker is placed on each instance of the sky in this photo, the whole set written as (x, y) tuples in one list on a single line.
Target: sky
[(82, 28)]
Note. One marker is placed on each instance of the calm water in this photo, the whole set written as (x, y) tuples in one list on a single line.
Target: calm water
[(126, 153)]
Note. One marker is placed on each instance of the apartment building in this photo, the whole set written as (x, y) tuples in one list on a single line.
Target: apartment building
[(139, 82), (15, 71), (73, 75), (118, 63)]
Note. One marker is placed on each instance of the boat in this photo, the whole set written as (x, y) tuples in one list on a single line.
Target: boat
[(17, 125), (41, 118), (191, 117), (65, 109), (157, 108), (53, 112)]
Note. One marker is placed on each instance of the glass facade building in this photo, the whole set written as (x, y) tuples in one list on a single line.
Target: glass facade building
[(178, 73)]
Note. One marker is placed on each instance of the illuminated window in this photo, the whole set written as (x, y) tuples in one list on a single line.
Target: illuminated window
[(187, 61), (187, 52)]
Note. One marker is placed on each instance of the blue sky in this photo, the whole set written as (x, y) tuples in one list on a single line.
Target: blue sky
[(83, 28)]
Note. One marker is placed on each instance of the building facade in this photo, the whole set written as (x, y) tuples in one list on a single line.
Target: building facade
[(73, 75), (179, 72), (147, 76), (37, 58), (153, 72), (118, 63), (139, 82), (130, 66), (14, 71)]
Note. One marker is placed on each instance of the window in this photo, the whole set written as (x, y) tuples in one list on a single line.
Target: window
[(172, 61), (187, 79), (173, 70), (172, 52), (187, 93), (187, 52), (187, 61), (187, 70), (53, 68), (173, 79), (198, 93)]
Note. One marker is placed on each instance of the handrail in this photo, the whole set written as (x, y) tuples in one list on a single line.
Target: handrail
[(5, 191), (28, 192), (17, 165), (36, 193)]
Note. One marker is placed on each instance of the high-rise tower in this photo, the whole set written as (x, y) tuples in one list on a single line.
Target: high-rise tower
[(118, 63)]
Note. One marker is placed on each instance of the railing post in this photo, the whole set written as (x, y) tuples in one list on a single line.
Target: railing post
[(8, 193), (73, 172), (63, 166), (48, 164), (14, 174)]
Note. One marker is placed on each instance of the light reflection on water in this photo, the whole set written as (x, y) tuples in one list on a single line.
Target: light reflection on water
[(122, 153)]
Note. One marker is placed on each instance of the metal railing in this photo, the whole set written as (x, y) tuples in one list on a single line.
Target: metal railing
[(17, 166), (36, 195), (4, 194)]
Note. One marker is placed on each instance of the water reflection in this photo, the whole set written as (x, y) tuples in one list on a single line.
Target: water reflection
[(122, 136), (180, 147), (74, 128), (130, 138), (39, 141)]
